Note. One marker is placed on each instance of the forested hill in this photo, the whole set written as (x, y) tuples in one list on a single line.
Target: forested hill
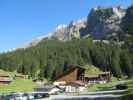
[(52, 57)]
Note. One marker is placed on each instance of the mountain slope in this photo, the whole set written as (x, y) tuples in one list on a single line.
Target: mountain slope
[(102, 23), (70, 31), (48, 56)]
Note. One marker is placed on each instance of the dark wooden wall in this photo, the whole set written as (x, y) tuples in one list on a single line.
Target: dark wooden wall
[(70, 77)]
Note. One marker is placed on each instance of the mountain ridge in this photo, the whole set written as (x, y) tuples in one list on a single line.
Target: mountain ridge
[(102, 23)]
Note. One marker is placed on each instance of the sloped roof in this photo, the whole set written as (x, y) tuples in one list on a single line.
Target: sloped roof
[(46, 88), (4, 73), (76, 83), (5, 80), (97, 74), (71, 68), (19, 75)]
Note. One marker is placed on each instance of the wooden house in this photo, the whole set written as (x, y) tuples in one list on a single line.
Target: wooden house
[(76, 86), (50, 89), (100, 78), (75, 73), (19, 76), (5, 79)]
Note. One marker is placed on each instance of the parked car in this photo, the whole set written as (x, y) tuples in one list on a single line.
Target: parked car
[(28, 96), (9, 97), (19, 97), (1, 97), (41, 95)]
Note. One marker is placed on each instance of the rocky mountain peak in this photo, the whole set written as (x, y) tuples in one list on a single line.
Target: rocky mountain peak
[(102, 21), (60, 27), (67, 32)]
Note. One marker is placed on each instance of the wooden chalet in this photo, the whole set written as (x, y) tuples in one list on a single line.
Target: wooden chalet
[(75, 73), (19, 76), (5, 79), (103, 77), (50, 89)]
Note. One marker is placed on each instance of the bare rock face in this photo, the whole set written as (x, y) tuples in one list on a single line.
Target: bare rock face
[(127, 22), (68, 32), (60, 33), (102, 22)]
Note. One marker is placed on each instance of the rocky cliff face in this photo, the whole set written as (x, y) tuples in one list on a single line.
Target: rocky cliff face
[(68, 32), (105, 22), (127, 22), (101, 23)]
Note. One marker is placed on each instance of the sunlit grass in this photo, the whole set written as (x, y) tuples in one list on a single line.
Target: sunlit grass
[(17, 86), (106, 86)]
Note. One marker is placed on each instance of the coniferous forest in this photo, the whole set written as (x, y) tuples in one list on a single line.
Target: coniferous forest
[(52, 57)]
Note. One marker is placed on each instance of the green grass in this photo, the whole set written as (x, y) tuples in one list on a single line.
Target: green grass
[(18, 86), (100, 87), (24, 85), (91, 70), (107, 86), (128, 95), (130, 85)]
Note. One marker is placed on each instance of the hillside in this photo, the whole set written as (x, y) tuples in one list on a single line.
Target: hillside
[(48, 56), (108, 23), (18, 86)]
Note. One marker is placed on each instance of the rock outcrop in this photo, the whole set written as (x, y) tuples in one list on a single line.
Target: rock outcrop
[(113, 23), (104, 22), (68, 32)]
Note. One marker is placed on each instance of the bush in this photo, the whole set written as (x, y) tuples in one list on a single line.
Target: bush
[(121, 86)]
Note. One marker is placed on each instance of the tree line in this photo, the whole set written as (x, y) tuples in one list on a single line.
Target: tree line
[(50, 58)]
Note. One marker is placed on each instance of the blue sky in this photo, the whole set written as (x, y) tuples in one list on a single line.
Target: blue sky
[(22, 20)]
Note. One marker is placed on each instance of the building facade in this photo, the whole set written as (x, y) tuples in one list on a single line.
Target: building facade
[(5, 79), (75, 73)]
